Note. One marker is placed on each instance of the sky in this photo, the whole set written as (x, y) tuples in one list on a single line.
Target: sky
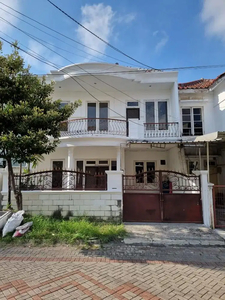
[(159, 34)]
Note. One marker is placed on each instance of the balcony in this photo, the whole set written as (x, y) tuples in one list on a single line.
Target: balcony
[(94, 126), (161, 130)]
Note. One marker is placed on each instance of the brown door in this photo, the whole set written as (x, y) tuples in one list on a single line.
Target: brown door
[(57, 174), (95, 180)]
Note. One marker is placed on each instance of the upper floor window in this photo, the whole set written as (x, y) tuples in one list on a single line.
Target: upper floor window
[(97, 114), (192, 121), (133, 103), (156, 112)]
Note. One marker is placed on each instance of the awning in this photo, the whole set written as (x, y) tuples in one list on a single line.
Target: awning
[(211, 137)]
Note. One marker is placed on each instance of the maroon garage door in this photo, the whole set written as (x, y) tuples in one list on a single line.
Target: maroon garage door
[(162, 196)]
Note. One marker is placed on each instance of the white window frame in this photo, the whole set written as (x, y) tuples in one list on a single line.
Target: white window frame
[(156, 101), (192, 118), (97, 108), (145, 164), (57, 159)]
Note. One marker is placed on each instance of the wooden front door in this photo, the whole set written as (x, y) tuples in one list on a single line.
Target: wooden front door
[(94, 178)]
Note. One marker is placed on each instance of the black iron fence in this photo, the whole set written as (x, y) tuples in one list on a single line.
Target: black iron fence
[(61, 180)]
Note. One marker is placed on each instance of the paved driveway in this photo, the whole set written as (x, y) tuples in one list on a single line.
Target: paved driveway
[(117, 271), (172, 234)]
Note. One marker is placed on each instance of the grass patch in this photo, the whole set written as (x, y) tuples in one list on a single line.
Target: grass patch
[(50, 231)]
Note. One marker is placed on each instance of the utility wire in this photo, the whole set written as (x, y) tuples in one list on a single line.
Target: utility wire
[(130, 71), (56, 67), (31, 36), (75, 41), (98, 37), (54, 37)]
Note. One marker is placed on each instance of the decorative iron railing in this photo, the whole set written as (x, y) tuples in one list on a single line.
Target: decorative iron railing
[(92, 126), (161, 181), (161, 130), (61, 180)]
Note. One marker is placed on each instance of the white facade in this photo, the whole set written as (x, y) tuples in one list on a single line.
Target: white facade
[(131, 120)]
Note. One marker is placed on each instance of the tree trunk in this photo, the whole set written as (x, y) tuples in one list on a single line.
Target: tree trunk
[(17, 193), (9, 206)]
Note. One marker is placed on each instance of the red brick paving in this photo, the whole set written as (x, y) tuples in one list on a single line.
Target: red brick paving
[(47, 274)]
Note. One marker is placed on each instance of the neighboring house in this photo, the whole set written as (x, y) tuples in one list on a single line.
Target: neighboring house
[(134, 122), (202, 104)]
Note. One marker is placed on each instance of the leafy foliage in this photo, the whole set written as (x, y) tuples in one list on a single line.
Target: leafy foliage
[(28, 116), (29, 119)]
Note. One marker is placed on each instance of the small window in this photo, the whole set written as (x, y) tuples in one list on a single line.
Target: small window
[(63, 104), (133, 103), (80, 166), (139, 170), (103, 162), (163, 162), (2, 163), (151, 174), (113, 165), (90, 162)]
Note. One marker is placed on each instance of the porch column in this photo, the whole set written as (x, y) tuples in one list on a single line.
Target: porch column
[(70, 166), (118, 160), (206, 195), (70, 161)]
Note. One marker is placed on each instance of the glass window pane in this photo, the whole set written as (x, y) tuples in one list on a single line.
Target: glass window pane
[(132, 103), (186, 111), (151, 172), (186, 118), (162, 112), (91, 116), (150, 112), (103, 115), (197, 117), (139, 170), (113, 165), (197, 111)]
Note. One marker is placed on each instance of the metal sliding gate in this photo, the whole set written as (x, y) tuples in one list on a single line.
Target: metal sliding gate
[(219, 205), (162, 196)]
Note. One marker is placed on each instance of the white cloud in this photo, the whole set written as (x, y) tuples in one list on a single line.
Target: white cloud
[(212, 15), (100, 19), (37, 49), (162, 37), (4, 27), (128, 18)]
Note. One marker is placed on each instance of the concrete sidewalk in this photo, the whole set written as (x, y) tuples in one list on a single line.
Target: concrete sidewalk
[(167, 234)]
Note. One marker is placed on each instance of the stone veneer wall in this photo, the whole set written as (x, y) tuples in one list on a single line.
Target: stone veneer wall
[(100, 204)]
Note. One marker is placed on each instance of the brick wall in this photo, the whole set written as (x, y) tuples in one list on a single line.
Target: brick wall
[(101, 204)]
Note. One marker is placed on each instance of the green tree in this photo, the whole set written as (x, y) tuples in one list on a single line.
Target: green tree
[(29, 119)]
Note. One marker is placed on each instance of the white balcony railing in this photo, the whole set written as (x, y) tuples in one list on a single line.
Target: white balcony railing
[(161, 130), (94, 126)]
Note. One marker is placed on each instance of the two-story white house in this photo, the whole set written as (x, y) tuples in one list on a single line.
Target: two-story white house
[(127, 149)]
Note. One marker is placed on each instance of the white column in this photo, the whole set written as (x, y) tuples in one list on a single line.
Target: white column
[(70, 161), (70, 165), (207, 207), (210, 191), (175, 109), (118, 160), (123, 159)]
